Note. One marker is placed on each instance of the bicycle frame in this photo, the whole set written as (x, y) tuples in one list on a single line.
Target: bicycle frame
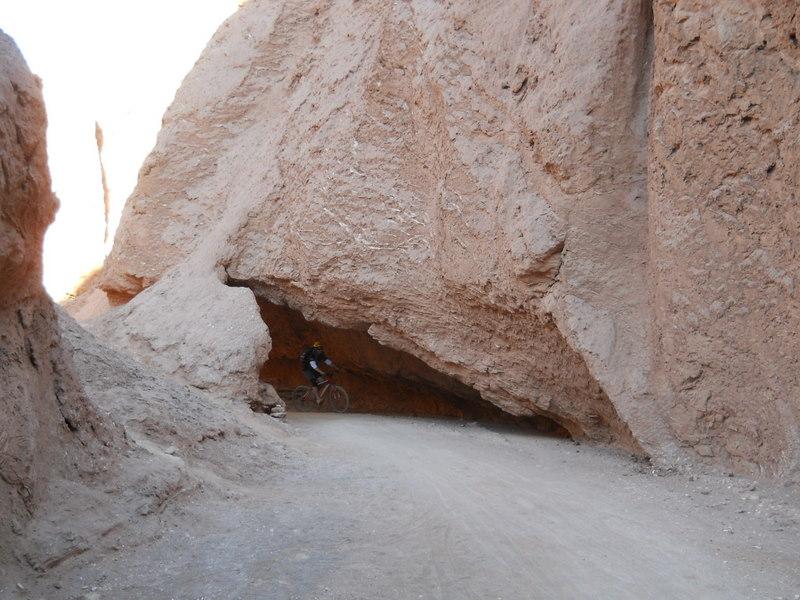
[(321, 389), (325, 393)]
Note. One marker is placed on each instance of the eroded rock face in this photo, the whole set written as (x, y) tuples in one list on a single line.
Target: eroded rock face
[(92, 443), (519, 196), (194, 328), (48, 428), (725, 226)]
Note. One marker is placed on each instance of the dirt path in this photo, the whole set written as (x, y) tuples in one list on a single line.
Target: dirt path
[(386, 508)]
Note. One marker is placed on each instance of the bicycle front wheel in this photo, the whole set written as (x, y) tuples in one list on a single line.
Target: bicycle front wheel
[(340, 401)]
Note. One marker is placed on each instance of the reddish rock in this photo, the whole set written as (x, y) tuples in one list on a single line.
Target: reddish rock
[(91, 442), (725, 227), (48, 428)]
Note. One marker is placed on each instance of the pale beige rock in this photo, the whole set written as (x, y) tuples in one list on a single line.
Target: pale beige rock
[(49, 430), (269, 402), (490, 188), (196, 330), (92, 303)]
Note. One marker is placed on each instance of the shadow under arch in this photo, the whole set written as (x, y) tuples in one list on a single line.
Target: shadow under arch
[(379, 379)]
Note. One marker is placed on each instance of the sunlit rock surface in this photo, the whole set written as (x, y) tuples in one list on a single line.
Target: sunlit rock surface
[(581, 210)]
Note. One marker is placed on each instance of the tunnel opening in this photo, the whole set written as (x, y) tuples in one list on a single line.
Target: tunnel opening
[(378, 379)]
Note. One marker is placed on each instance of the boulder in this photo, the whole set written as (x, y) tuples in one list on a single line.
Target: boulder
[(269, 402)]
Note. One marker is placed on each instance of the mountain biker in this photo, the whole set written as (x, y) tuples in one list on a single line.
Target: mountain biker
[(310, 361)]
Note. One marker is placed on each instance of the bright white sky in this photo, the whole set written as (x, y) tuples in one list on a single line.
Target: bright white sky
[(117, 62)]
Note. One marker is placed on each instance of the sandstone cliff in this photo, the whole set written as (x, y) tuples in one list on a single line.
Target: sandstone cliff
[(92, 445), (723, 229), (581, 210), (48, 430)]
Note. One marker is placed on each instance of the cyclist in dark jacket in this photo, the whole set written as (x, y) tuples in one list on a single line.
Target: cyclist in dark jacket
[(310, 361)]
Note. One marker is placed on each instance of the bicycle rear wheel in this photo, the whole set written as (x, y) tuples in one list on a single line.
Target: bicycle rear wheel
[(339, 400), (303, 399)]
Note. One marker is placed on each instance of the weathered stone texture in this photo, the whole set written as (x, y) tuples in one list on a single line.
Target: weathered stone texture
[(725, 226), (48, 429), (581, 210)]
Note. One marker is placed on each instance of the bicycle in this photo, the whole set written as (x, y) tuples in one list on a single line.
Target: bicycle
[(330, 396)]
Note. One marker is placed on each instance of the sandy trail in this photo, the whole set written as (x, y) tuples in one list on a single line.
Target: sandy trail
[(392, 508)]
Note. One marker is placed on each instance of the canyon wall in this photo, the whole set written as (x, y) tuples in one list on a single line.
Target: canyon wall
[(584, 211), (94, 447), (724, 226), (48, 429)]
